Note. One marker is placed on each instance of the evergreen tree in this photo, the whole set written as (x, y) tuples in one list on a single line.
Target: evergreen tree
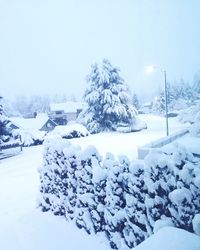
[(196, 85), (3, 121), (135, 101), (159, 104), (107, 98)]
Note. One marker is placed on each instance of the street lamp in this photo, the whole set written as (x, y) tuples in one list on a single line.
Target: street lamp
[(150, 69)]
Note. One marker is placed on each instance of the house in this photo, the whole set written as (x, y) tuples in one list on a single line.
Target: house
[(42, 122), (61, 113), (146, 108)]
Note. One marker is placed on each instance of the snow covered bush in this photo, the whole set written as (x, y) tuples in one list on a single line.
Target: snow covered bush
[(115, 217), (85, 190), (127, 201), (53, 177), (29, 137), (160, 182), (191, 115), (71, 162), (108, 100), (70, 131), (136, 227)]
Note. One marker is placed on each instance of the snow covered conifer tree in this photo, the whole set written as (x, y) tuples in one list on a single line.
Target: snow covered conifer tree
[(107, 98), (159, 104), (135, 101), (4, 133), (196, 85)]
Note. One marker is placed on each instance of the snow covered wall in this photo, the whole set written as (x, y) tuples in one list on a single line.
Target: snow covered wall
[(127, 201)]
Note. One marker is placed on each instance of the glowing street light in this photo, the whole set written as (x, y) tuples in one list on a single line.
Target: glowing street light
[(150, 69)]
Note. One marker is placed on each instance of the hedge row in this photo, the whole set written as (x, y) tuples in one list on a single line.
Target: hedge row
[(123, 199)]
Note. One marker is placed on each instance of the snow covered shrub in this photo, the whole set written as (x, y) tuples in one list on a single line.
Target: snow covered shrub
[(70, 131), (115, 216), (185, 198), (190, 115), (160, 182), (172, 179), (30, 137), (71, 160), (85, 189), (53, 175), (182, 209), (136, 227), (108, 100), (99, 180)]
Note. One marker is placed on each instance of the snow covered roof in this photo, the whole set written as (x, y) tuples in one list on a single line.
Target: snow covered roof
[(30, 123), (67, 106)]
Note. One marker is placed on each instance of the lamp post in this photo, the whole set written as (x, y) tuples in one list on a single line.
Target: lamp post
[(150, 69)]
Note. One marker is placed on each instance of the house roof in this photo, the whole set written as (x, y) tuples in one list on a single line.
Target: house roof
[(30, 123), (68, 107)]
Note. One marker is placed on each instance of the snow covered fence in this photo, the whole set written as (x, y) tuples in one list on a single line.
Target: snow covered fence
[(10, 148), (127, 201), (144, 150)]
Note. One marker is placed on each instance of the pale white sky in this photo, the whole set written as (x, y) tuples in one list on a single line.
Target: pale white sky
[(47, 46)]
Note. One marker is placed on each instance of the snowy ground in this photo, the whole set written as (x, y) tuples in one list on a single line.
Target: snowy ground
[(127, 144), (23, 226)]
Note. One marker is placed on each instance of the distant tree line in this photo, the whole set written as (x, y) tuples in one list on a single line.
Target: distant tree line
[(24, 106), (179, 96)]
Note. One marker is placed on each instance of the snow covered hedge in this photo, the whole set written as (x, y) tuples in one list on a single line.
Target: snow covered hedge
[(126, 200), (29, 137), (69, 131)]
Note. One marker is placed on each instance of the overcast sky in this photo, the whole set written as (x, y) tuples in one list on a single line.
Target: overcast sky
[(47, 46)]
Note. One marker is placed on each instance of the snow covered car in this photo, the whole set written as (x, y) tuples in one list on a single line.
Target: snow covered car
[(137, 126)]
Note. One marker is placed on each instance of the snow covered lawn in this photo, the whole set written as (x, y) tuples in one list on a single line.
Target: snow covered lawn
[(127, 143)]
